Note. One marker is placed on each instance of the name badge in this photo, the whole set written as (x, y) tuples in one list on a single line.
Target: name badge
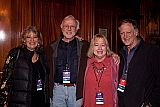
[(122, 85), (39, 85), (66, 77), (99, 98)]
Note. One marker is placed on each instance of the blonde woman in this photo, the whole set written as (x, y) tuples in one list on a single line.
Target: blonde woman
[(100, 82)]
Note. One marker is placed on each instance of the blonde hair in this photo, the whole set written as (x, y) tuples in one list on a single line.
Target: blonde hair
[(33, 29), (90, 51)]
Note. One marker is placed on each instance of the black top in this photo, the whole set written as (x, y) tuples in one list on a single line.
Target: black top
[(37, 97), (67, 55), (38, 74)]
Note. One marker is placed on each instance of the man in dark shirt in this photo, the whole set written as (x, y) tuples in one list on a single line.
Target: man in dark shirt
[(67, 60), (139, 75)]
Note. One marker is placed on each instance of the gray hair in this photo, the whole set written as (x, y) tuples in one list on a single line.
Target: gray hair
[(72, 18)]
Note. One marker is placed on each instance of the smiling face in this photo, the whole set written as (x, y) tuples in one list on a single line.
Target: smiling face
[(99, 49), (31, 41), (69, 29), (128, 35)]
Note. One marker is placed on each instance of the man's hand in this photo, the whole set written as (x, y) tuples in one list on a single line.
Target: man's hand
[(146, 105), (116, 58), (79, 37)]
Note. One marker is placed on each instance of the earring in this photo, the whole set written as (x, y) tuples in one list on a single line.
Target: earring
[(24, 42)]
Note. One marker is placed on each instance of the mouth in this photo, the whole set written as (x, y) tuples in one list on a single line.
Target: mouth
[(100, 52), (126, 39), (32, 44), (68, 33)]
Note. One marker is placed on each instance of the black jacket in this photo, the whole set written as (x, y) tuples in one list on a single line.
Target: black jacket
[(19, 84), (82, 48), (143, 77)]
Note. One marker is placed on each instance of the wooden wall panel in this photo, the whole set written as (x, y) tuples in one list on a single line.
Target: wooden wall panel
[(21, 17), (5, 30), (15, 15), (47, 15), (150, 25), (85, 11), (103, 19)]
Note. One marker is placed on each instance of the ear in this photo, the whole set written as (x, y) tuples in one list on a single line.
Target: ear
[(136, 32)]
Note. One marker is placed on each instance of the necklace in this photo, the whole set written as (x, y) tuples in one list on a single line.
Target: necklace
[(98, 70)]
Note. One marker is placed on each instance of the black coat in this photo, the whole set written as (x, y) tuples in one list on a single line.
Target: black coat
[(20, 82), (143, 77)]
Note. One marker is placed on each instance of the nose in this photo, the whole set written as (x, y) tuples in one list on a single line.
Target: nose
[(69, 27), (100, 47), (32, 39), (125, 35)]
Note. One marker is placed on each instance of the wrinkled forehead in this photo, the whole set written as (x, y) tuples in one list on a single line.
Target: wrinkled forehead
[(69, 21), (126, 26)]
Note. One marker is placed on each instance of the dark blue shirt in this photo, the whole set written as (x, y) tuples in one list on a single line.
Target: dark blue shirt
[(67, 55), (128, 56)]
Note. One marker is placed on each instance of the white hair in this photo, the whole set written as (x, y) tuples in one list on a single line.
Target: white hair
[(72, 18)]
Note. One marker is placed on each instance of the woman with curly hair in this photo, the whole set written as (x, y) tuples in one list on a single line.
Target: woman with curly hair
[(24, 80)]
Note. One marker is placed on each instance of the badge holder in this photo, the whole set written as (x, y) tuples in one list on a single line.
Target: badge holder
[(99, 98), (66, 74), (39, 85), (122, 83)]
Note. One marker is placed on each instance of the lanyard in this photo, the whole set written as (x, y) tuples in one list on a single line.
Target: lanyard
[(126, 64), (98, 71)]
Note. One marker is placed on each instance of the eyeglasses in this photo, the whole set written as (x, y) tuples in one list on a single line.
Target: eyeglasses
[(69, 27)]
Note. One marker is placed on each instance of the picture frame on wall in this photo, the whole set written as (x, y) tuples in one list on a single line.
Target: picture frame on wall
[(103, 31)]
